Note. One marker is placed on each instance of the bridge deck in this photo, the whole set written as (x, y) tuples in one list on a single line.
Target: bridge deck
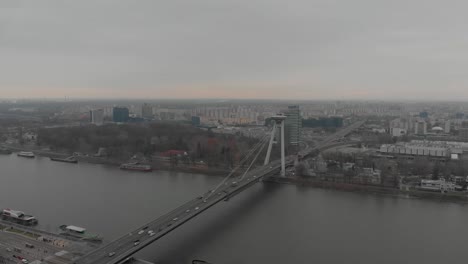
[(125, 246)]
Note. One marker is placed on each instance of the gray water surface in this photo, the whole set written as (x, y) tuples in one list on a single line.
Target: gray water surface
[(268, 223)]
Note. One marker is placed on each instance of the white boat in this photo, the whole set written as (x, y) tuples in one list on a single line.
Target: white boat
[(136, 167), (437, 185), (18, 217), (26, 154)]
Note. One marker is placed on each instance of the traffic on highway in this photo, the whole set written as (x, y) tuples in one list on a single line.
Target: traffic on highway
[(118, 251), (133, 241)]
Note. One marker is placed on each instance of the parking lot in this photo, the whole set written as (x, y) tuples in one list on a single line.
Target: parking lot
[(17, 244)]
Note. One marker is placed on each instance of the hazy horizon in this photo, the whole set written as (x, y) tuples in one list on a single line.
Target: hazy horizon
[(260, 49)]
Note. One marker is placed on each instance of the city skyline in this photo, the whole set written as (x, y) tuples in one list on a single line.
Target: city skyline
[(209, 49), (208, 131)]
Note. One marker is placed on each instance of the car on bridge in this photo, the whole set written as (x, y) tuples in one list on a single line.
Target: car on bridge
[(168, 221)]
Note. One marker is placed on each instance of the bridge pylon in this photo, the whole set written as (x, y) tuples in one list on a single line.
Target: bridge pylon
[(278, 123)]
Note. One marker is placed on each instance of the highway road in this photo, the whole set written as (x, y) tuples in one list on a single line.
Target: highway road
[(124, 247), (330, 139), (10, 241)]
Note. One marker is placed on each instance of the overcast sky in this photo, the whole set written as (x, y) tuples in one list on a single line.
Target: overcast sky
[(295, 49)]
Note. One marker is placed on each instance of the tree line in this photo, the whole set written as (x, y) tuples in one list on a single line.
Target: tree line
[(124, 141)]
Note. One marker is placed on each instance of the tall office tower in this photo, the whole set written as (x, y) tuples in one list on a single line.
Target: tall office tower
[(463, 131), (420, 128), (120, 114), (293, 125), (447, 126)]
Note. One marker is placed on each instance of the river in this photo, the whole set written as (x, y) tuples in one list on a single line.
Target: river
[(269, 223)]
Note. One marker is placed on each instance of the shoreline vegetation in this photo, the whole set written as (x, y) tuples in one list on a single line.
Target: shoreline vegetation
[(157, 166), (162, 145), (299, 181), (179, 147), (372, 189)]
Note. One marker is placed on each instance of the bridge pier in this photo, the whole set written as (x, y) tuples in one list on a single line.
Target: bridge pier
[(279, 121)]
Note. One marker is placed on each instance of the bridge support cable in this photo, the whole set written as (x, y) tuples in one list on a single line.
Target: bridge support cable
[(253, 161), (260, 145), (124, 246), (270, 145), (246, 155), (253, 150)]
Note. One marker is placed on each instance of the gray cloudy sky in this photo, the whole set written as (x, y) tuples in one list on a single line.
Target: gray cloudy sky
[(322, 49)]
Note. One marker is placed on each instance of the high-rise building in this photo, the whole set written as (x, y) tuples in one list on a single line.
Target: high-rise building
[(147, 111), (196, 121), (97, 116), (463, 134), (463, 131), (420, 128), (397, 132), (400, 123), (108, 111), (120, 114), (447, 125), (293, 125)]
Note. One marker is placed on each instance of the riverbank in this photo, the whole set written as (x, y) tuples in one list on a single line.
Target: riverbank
[(157, 166), (373, 189)]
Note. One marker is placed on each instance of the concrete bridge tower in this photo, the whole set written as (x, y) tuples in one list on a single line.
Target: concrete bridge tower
[(278, 122)]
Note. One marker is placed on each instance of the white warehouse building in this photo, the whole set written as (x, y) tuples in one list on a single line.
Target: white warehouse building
[(427, 148), (415, 150)]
